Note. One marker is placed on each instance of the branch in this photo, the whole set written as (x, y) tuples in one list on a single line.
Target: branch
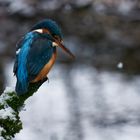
[(10, 106)]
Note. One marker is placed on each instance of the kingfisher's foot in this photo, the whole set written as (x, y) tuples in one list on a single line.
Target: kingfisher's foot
[(45, 79), (48, 79)]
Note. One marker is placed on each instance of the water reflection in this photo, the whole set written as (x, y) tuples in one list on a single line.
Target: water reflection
[(75, 128), (81, 103)]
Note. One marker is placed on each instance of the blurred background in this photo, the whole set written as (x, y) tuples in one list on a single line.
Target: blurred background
[(95, 97)]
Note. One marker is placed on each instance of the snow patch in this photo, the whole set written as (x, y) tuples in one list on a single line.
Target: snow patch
[(5, 96), (1, 138), (1, 129), (8, 112), (9, 90)]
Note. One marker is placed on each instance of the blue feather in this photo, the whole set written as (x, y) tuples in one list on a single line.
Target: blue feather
[(40, 53), (50, 25), (35, 50), (22, 74)]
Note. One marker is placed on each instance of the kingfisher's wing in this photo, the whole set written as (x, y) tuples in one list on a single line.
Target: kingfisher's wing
[(39, 54), (20, 69)]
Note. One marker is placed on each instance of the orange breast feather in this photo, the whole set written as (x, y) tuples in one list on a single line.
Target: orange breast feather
[(43, 73)]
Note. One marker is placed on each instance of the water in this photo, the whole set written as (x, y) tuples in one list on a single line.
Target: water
[(82, 103)]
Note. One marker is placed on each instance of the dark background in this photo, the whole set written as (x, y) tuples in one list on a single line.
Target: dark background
[(100, 33)]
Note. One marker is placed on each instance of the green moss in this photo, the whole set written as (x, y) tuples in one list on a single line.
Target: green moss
[(14, 101), (13, 125)]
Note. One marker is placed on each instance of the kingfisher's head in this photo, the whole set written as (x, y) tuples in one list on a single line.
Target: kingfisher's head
[(52, 28)]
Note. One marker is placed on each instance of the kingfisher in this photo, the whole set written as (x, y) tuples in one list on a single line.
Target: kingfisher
[(36, 53)]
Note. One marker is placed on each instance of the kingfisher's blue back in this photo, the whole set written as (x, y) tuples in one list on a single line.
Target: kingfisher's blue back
[(34, 51)]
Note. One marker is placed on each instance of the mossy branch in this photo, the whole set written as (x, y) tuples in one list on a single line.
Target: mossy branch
[(10, 106)]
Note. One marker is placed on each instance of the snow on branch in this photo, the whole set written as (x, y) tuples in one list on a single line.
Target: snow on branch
[(10, 106)]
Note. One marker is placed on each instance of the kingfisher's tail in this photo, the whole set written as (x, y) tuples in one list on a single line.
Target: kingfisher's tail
[(21, 87)]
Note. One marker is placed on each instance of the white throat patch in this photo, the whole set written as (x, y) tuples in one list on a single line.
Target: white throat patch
[(54, 44)]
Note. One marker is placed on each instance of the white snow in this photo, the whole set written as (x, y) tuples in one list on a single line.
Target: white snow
[(1, 129), (8, 112), (9, 89), (1, 138), (5, 96)]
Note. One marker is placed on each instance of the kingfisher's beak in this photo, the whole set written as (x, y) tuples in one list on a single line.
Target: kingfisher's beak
[(60, 44)]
